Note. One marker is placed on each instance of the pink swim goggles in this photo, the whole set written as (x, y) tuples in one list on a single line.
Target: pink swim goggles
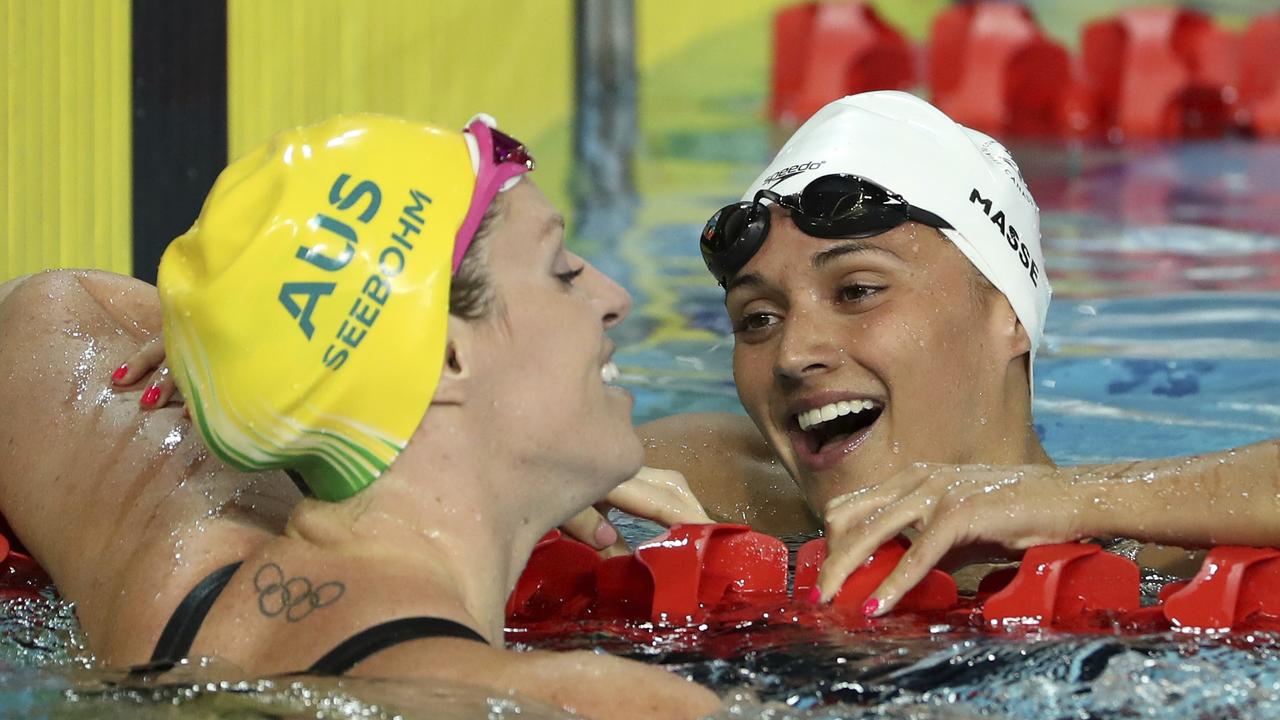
[(502, 157)]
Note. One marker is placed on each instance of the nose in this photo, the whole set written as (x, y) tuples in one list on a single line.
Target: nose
[(806, 348), (612, 297)]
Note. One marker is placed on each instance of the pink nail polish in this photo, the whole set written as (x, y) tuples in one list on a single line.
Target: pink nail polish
[(815, 595), (120, 372), (151, 395), (870, 607), (606, 535)]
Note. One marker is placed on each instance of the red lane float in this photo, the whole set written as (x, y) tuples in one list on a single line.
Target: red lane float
[(20, 575), (1161, 72), (823, 51), (991, 68), (727, 573), (1234, 584), (1059, 584), (1260, 76), (936, 592)]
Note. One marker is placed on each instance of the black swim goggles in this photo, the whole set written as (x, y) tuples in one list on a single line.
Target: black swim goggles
[(832, 206)]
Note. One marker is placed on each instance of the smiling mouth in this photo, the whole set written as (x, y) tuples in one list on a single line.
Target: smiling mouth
[(835, 423)]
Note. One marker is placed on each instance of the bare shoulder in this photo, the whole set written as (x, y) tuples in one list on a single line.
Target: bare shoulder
[(731, 469), (130, 304), (590, 684)]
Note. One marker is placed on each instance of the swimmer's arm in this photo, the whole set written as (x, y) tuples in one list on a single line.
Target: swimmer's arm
[(730, 468), (1225, 498), (585, 683)]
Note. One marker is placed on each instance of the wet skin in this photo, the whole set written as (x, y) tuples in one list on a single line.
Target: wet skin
[(126, 510)]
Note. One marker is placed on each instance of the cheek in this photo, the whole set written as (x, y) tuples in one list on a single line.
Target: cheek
[(752, 371)]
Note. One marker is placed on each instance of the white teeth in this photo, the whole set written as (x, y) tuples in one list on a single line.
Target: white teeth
[(831, 411), (609, 372)]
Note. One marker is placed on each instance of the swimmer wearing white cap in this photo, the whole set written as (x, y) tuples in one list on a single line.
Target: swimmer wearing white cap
[(887, 292)]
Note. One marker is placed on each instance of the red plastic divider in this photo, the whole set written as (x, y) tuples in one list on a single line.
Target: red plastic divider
[(20, 574), (936, 592), (1058, 584), (558, 581), (695, 568), (991, 68), (1260, 76), (1161, 72), (1234, 583), (824, 51), (694, 573)]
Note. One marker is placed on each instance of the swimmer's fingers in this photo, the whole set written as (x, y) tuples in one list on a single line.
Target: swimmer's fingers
[(662, 496), (138, 365), (849, 548), (923, 555), (160, 390), (849, 519), (148, 362), (981, 505), (593, 528)]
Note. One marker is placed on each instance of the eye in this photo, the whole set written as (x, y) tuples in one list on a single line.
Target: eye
[(567, 277), (754, 322), (857, 292)]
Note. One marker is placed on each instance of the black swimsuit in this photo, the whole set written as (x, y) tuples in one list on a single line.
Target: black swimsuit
[(175, 641)]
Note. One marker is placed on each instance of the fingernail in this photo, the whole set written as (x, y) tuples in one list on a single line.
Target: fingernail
[(815, 595), (606, 535), (151, 395), (870, 607), (120, 372)]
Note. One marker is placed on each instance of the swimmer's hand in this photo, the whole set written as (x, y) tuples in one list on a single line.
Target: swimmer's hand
[(662, 496), (148, 362), (985, 510)]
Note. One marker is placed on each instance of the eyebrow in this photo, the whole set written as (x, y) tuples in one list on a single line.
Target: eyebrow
[(553, 223), (746, 280), (830, 255), (819, 261)]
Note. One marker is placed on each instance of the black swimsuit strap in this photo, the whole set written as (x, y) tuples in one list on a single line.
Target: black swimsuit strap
[(175, 641), (382, 636)]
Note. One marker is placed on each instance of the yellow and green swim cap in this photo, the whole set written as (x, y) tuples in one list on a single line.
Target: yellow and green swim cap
[(305, 311)]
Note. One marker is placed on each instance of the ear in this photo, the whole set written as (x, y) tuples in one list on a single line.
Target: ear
[(456, 371), (1007, 328)]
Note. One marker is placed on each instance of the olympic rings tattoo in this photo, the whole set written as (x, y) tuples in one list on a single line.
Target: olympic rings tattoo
[(295, 597)]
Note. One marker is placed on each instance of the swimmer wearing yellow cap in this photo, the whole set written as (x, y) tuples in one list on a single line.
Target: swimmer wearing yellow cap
[(387, 308), (305, 311)]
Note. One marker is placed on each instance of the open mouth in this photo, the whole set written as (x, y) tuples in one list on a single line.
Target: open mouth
[(836, 424)]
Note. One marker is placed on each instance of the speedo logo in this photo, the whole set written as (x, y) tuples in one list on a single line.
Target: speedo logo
[(1009, 232), (792, 171)]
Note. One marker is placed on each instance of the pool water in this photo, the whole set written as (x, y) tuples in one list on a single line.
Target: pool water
[(1163, 339)]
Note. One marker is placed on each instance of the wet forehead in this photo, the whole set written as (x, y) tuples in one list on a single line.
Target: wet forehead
[(527, 223)]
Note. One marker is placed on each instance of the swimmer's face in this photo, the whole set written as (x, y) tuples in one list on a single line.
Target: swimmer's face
[(892, 331), (543, 352)]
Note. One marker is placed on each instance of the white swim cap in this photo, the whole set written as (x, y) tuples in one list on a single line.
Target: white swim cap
[(908, 146)]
